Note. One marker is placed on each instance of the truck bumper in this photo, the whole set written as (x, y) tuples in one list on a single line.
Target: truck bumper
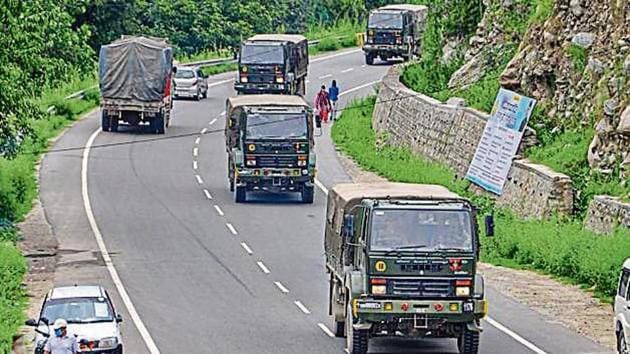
[(386, 49), (419, 314), (260, 88), (274, 180)]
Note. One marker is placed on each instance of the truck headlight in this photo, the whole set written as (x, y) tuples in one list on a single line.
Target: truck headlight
[(379, 289), (302, 163), (109, 342), (251, 162), (280, 79), (462, 291), (244, 79)]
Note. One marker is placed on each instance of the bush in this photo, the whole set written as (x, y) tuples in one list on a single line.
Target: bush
[(579, 57), (12, 297), (328, 44), (559, 247)]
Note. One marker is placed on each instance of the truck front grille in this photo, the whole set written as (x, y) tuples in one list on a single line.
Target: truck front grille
[(429, 288), (276, 161)]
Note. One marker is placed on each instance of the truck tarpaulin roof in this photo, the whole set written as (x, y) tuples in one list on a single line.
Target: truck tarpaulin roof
[(135, 68)]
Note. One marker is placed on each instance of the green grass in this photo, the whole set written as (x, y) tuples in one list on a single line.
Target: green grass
[(579, 57), (342, 35), (205, 55), (219, 69), (18, 189), (558, 247)]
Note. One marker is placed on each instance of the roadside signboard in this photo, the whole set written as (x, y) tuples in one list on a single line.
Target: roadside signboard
[(500, 140)]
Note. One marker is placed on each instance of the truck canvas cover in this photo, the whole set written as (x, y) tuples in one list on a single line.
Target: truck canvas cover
[(345, 196), (135, 69)]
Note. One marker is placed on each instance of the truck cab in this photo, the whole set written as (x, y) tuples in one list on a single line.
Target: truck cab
[(394, 31), (403, 262), (270, 145), (271, 63)]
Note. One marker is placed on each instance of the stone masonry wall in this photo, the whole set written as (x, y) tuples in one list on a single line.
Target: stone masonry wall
[(605, 213), (449, 134)]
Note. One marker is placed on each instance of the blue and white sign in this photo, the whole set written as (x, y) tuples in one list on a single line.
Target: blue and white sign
[(500, 140)]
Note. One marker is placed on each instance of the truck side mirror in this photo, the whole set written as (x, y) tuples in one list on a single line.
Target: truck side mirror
[(348, 226), (174, 70), (31, 322), (489, 221)]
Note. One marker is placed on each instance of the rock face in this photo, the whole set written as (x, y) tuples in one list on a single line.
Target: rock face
[(606, 213)]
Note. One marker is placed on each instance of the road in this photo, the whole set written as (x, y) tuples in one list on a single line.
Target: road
[(201, 274)]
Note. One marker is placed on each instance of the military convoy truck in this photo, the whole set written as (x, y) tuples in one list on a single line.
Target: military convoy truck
[(402, 260), (394, 31), (270, 145), (273, 63), (135, 83)]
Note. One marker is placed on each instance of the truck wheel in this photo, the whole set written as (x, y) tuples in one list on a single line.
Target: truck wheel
[(240, 194), (356, 341), (468, 342), (308, 194), (113, 124), (231, 185), (158, 125), (369, 59), (205, 94), (340, 329), (104, 122)]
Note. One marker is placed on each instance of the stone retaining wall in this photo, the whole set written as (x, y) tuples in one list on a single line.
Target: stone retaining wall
[(449, 134), (605, 213)]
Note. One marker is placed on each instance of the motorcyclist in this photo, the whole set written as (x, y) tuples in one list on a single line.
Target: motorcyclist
[(61, 342)]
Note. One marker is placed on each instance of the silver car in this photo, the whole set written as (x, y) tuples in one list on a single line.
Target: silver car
[(90, 315), (622, 310), (190, 82)]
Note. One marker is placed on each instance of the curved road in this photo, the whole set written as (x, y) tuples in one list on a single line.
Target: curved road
[(202, 274)]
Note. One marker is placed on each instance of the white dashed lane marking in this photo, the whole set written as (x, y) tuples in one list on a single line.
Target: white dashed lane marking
[(246, 248), (197, 141), (204, 130), (199, 180), (195, 165), (222, 113), (325, 76), (218, 209), (281, 287), (207, 193), (347, 70), (263, 267), (231, 228), (212, 121), (326, 330), (302, 307), (195, 152)]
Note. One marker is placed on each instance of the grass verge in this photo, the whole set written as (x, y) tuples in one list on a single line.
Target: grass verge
[(18, 189), (558, 247)]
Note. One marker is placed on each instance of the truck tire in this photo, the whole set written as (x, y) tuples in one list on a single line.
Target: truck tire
[(302, 87), (240, 194), (356, 341), (468, 342), (105, 122), (205, 94), (158, 125), (231, 185), (369, 59), (340, 329), (308, 194)]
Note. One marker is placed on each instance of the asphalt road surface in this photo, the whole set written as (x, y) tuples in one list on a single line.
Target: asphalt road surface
[(193, 272)]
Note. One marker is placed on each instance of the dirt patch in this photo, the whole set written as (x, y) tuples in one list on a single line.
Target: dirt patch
[(560, 303)]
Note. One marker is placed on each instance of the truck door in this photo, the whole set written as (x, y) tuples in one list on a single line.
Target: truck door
[(361, 239)]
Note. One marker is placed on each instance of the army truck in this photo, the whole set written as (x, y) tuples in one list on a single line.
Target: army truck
[(270, 145), (402, 261), (135, 83), (394, 31), (273, 63)]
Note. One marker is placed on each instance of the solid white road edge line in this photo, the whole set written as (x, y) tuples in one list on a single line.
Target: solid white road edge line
[(514, 336), (281, 287), (231, 228), (207, 193), (302, 307), (263, 267), (246, 248), (326, 330), (218, 209), (199, 180), (135, 317)]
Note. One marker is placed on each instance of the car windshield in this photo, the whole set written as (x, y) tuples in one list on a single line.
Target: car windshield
[(426, 230), (387, 20), (184, 74), (270, 126), (78, 310), (262, 54)]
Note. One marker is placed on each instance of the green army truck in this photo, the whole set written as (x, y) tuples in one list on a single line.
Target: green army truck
[(270, 145), (394, 31), (402, 260)]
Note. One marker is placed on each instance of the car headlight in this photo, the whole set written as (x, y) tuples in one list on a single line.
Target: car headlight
[(109, 342), (379, 289)]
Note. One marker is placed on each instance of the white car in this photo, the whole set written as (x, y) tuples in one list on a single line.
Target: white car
[(90, 315), (190, 82), (622, 310)]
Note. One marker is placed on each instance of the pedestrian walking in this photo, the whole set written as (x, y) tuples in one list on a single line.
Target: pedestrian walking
[(61, 342), (333, 95), (322, 103)]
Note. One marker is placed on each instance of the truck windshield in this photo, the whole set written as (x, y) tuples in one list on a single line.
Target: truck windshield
[(386, 20), (262, 54), (276, 126), (426, 230)]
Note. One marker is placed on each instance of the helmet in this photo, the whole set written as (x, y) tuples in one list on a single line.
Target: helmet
[(60, 323)]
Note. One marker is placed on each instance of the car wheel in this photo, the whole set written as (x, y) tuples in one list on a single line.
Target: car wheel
[(205, 94), (622, 344), (356, 341), (197, 95), (468, 342)]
